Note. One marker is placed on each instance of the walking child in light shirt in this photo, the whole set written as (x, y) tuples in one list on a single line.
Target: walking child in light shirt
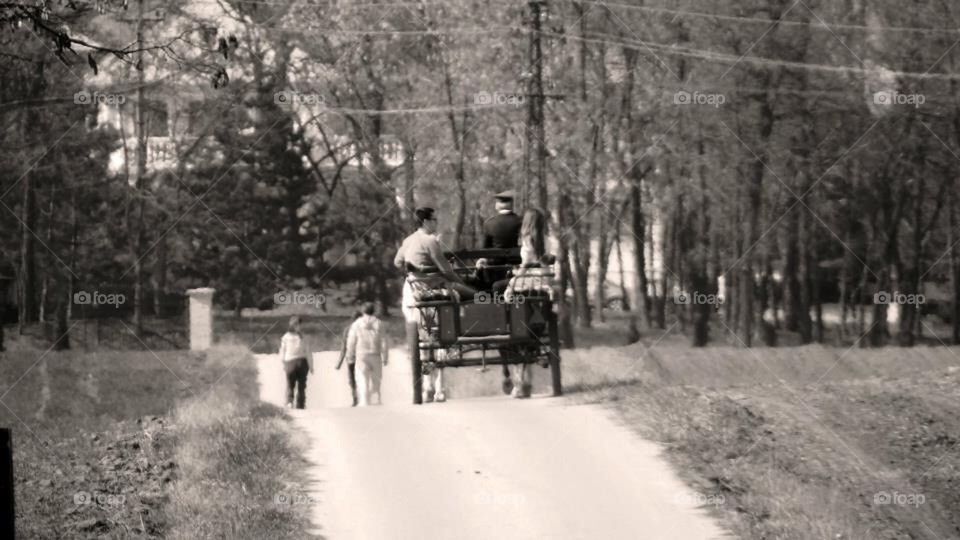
[(297, 362), (351, 361), (367, 343)]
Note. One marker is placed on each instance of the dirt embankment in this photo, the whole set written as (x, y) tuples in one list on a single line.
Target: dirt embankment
[(99, 483)]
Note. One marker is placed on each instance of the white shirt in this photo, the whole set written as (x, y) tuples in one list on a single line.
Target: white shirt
[(366, 339), (293, 346)]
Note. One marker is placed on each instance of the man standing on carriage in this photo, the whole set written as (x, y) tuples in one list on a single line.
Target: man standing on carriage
[(422, 252)]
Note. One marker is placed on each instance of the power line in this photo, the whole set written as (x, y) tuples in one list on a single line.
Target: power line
[(415, 110), (451, 31), (819, 25), (648, 48)]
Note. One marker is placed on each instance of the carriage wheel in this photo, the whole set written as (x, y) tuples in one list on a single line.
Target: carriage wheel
[(554, 356), (416, 365)]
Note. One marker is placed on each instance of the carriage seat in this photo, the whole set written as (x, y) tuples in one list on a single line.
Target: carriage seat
[(429, 286)]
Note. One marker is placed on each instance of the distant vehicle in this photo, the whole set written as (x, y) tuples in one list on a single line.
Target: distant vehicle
[(937, 301), (521, 331)]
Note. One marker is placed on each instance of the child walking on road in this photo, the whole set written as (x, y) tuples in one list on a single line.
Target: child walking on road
[(351, 361), (367, 343), (297, 362)]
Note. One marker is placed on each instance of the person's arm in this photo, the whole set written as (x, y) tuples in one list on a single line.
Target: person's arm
[(384, 345), (305, 347), (283, 346), (399, 260), (436, 253), (351, 341)]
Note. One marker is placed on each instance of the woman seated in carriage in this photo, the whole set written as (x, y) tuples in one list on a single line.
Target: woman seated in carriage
[(533, 278)]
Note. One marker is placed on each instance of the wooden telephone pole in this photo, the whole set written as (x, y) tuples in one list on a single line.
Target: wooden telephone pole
[(536, 131), (535, 162)]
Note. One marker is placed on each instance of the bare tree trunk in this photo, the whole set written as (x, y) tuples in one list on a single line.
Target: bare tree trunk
[(793, 303), (667, 259), (459, 135), (138, 274), (804, 293), (752, 231), (845, 274), (699, 279), (564, 318), (638, 226), (581, 282), (623, 280), (640, 301), (159, 277), (603, 254), (954, 270), (28, 269)]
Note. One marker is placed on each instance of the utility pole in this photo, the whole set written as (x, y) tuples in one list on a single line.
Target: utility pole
[(535, 162), (536, 131)]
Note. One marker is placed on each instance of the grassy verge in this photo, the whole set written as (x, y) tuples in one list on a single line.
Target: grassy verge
[(239, 467), (99, 438), (778, 451)]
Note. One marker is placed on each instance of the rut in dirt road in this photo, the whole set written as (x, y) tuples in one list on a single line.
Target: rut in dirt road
[(479, 468)]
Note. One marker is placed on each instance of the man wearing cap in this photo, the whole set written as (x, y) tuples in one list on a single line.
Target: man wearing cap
[(419, 251), (502, 231)]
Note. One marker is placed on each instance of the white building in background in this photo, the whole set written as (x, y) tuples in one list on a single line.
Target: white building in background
[(174, 99)]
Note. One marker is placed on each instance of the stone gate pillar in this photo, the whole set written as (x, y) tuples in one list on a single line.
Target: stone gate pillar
[(201, 318)]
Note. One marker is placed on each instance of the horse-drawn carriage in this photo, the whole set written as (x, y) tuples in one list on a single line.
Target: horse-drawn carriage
[(513, 327)]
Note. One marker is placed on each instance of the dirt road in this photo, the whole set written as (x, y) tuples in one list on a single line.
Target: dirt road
[(480, 468)]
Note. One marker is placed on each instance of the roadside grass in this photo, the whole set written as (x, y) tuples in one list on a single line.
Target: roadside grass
[(240, 468), (97, 440), (806, 443)]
